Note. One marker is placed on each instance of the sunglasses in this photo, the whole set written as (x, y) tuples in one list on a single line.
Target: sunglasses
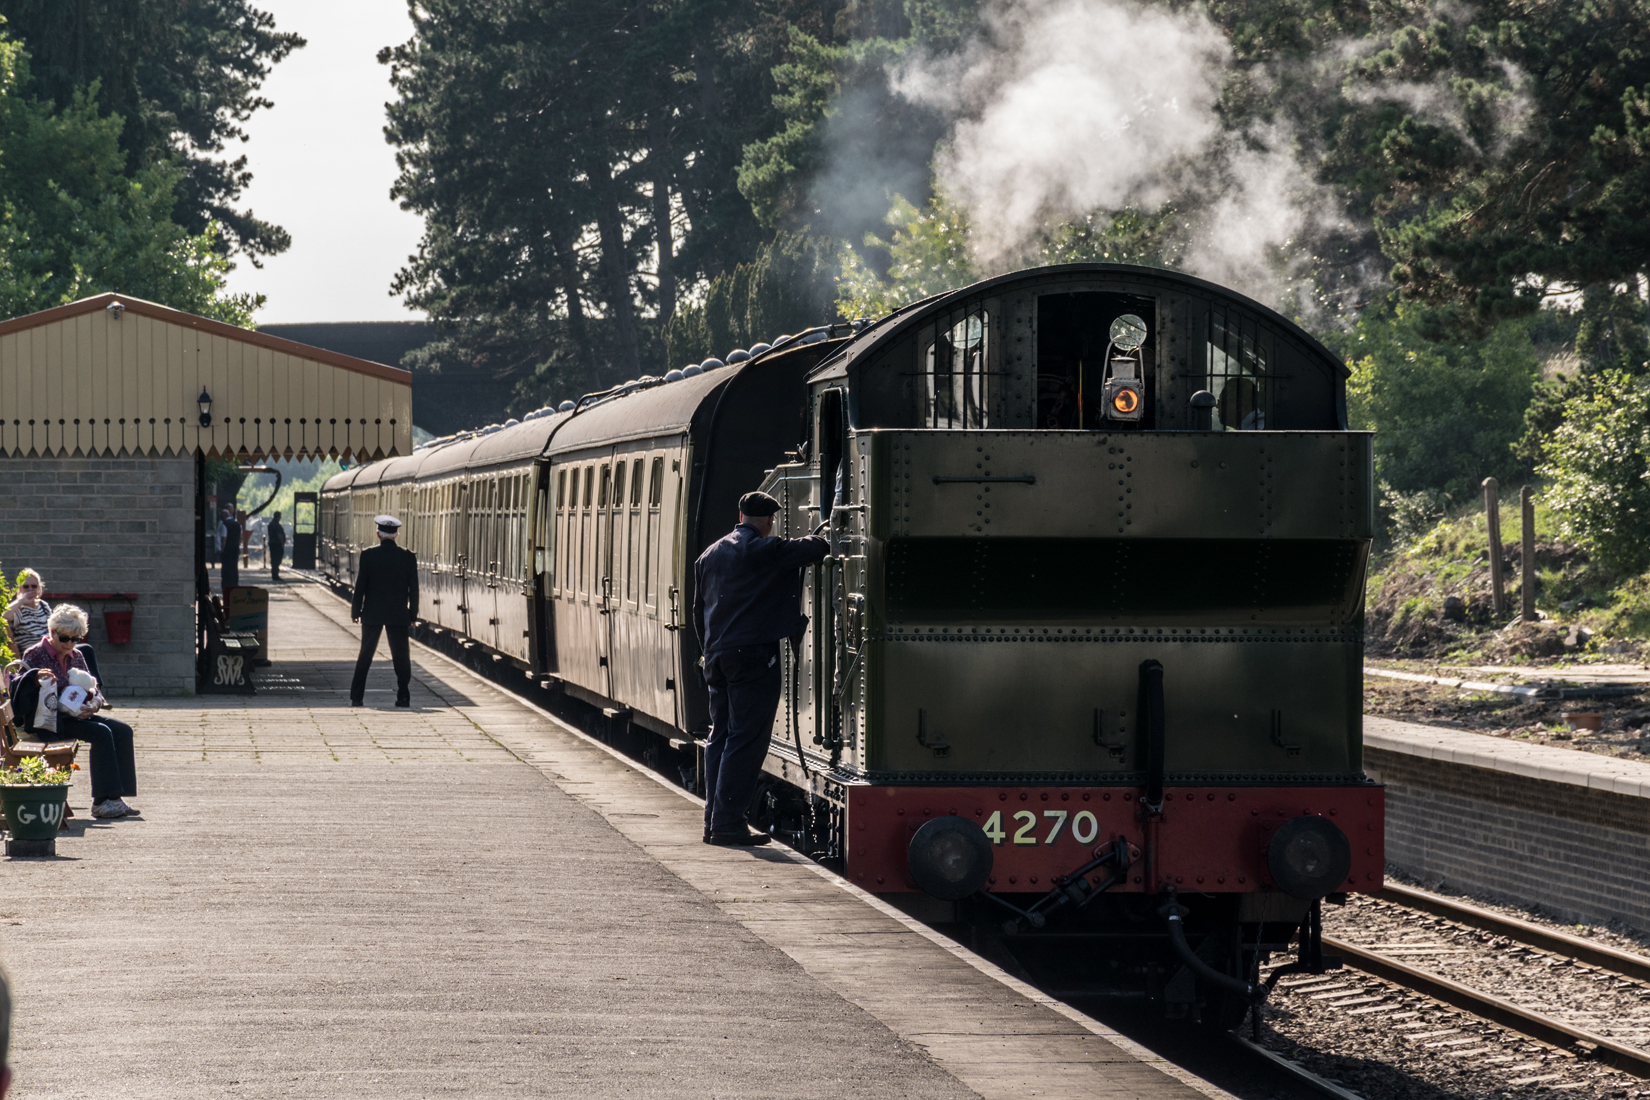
[(31, 584), (67, 638)]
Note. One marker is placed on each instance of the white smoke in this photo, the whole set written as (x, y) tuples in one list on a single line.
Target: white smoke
[(1062, 108)]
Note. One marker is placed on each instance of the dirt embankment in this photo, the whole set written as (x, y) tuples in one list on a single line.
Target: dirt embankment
[(1429, 606)]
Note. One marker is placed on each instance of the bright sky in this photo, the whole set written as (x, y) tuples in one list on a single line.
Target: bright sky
[(322, 170)]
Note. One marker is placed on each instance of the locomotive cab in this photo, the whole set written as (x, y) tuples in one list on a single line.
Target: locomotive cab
[(1093, 611)]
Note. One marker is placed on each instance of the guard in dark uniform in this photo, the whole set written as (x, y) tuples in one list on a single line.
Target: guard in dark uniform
[(385, 601), (746, 603)]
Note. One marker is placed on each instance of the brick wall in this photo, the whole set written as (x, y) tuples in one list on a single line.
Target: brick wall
[(1583, 853), (112, 525)]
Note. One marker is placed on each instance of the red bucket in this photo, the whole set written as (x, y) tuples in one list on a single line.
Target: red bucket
[(118, 625)]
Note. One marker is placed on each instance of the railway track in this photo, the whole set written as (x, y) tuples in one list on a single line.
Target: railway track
[(1465, 999)]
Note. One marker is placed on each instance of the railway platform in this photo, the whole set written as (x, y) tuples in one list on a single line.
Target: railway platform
[(470, 898)]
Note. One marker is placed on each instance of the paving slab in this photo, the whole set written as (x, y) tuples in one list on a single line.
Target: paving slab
[(469, 898)]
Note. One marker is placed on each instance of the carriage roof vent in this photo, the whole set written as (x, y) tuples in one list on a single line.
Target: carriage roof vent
[(673, 376), (692, 370), (512, 422), (758, 349), (711, 364), (738, 355), (565, 406)]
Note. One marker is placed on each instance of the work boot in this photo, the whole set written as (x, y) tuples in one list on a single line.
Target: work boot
[(745, 838)]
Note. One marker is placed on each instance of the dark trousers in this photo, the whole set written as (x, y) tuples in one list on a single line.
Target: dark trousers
[(231, 571), (744, 688), (114, 770), (400, 656), (276, 552)]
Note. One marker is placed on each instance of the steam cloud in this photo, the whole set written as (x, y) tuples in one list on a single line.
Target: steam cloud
[(1063, 108)]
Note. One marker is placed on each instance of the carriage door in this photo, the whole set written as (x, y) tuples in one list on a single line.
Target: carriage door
[(466, 545), (602, 597), (544, 527), (494, 517)]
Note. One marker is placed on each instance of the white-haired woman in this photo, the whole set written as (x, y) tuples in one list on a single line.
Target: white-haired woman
[(114, 770)]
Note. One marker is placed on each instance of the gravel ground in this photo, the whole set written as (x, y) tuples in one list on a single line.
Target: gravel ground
[(1386, 1042)]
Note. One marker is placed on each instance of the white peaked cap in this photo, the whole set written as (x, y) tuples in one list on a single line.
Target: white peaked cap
[(386, 521)]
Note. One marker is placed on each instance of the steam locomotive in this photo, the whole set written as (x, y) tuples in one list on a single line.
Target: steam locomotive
[(1084, 663)]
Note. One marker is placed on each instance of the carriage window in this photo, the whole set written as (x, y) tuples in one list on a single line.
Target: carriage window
[(618, 485), (589, 480), (636, 484), (955, 391), (656, 483), (1238, 372)]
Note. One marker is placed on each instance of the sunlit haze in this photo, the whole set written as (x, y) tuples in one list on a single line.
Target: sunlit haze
[(322, 170)]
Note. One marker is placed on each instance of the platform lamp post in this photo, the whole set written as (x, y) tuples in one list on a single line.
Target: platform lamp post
[(205, 400), (1492, 512)]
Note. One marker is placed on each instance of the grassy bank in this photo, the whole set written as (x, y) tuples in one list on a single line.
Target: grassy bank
[(1431, 599)]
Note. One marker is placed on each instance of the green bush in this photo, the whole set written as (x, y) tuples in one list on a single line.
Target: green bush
[(1597, 465), (1446, 415)]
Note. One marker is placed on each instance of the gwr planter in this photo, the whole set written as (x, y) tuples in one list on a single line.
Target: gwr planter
[(34, 813)]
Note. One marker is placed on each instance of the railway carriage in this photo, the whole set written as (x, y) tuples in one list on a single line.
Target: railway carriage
[(1086, 654)]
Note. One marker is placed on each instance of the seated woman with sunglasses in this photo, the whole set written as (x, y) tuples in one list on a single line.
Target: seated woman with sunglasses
[(28, 614), (114, 772)]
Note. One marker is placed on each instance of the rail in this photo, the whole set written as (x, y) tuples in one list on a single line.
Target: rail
[(1526, 1021), (1624, 963)]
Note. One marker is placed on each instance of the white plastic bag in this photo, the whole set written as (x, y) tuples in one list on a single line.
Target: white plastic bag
[(45, 711)]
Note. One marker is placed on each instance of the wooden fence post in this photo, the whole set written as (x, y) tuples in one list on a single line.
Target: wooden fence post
[(1526, 499), (1492, 512)]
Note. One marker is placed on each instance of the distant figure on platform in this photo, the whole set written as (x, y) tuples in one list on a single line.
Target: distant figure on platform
[(231, 528), (275, 542), (385, 600), (746, 602)]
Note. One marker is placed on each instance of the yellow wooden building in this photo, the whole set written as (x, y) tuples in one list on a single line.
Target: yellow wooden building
[(109, 409)]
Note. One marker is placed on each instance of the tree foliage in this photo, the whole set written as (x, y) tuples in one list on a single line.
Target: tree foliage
[(1598, 470), (73, 222), (790, 286), (1446, 415), (181, 75), (574, 164)]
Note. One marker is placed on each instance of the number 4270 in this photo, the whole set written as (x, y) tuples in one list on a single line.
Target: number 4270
[(1084, 827)]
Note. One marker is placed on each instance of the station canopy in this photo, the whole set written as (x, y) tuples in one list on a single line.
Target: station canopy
[(113, 375)]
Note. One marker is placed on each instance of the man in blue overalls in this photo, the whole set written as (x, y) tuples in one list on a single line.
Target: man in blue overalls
[(746, 603)]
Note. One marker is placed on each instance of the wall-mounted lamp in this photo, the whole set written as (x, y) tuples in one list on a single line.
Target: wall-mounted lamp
[(115, 310), (206, 409)]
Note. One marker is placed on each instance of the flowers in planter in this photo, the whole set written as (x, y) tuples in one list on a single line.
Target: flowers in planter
[(33, 771)]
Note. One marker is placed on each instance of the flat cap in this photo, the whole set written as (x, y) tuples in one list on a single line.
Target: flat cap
[(757, 504)]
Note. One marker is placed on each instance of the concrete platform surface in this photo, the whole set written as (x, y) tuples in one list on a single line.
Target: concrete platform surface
[(1500, 754), (468, 898)]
